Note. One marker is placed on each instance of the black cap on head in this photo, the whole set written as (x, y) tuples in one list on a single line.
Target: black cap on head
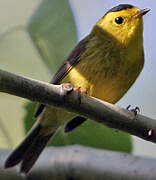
[(120, 7)]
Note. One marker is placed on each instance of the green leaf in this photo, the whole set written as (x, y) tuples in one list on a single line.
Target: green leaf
[(96, 135), (53, 31)]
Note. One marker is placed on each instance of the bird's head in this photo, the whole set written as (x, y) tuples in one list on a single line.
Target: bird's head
[(123, 23)]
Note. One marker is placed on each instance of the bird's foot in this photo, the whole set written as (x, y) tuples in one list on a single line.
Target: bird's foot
[(134, 110), (80, 92), (67, 87)]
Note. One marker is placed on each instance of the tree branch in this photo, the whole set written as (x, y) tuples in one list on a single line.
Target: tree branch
[(78, 162), (62, 96)]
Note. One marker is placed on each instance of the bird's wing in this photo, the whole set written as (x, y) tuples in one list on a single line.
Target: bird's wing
[(68, 64)]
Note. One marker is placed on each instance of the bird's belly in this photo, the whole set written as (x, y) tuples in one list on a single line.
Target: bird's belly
[(102, 88)]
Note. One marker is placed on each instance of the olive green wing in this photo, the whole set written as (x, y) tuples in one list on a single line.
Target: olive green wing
[(71, 61), (68, 64)]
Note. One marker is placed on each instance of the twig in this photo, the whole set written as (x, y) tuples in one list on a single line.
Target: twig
[(78, 162), (62, 96)]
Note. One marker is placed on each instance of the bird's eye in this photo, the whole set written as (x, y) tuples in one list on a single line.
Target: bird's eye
[(119, 20)]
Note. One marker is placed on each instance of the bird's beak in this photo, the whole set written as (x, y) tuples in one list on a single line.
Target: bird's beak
[(141, 13)]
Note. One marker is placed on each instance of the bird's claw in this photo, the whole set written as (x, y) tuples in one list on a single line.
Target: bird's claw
[(134, 110), (80, 92)]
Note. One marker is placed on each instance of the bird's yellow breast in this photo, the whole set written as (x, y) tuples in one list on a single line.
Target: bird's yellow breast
[(106, 73)]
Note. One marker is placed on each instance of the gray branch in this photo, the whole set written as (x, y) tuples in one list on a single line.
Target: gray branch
[(62, 96), (78, 162)]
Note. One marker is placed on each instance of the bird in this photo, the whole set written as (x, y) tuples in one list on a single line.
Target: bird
[(105, 64)]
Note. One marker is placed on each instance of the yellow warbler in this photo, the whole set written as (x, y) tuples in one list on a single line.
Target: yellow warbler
[(105, 64)]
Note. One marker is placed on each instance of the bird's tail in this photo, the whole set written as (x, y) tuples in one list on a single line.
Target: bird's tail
[(29, 150)]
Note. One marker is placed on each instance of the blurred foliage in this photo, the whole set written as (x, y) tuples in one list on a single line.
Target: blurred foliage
[(18, 55), (53, 31)]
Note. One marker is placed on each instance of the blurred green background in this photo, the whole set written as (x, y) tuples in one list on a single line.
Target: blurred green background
[(37, 50)]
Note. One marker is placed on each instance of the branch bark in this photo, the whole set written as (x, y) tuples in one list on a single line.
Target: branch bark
[(62, 96), (78, 162)]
